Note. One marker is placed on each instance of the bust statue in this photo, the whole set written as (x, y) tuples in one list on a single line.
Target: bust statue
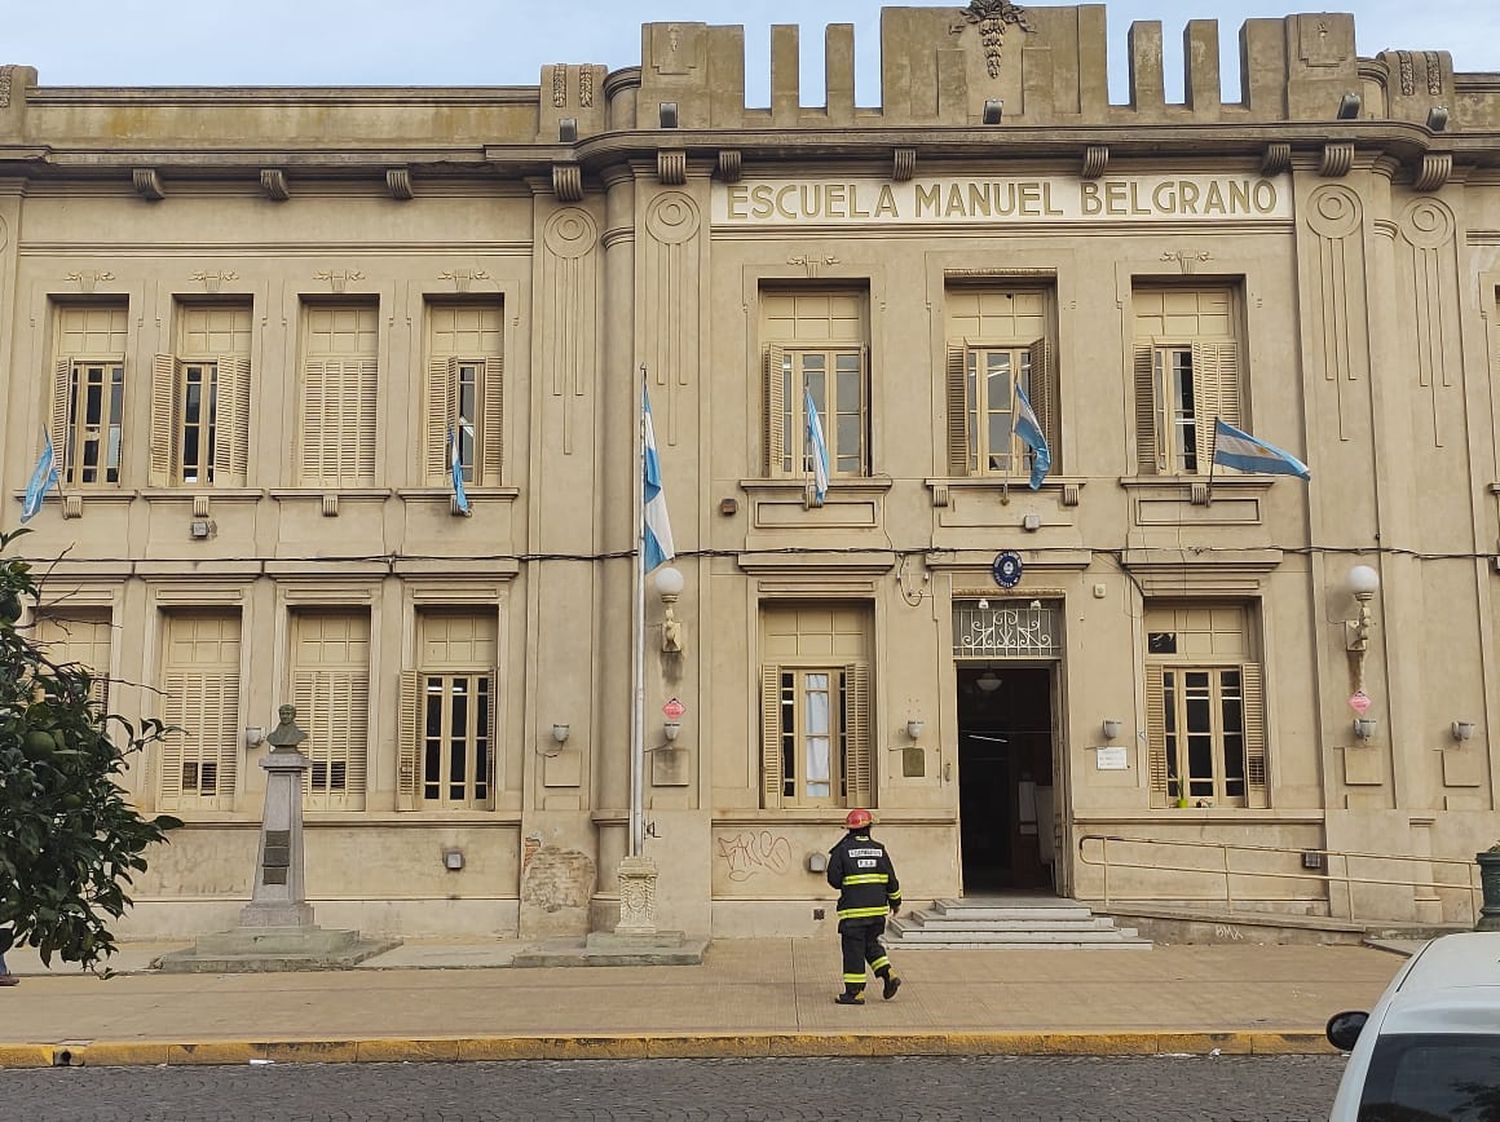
[(286, 736)]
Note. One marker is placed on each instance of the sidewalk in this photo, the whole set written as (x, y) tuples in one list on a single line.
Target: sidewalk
[(750, 997)]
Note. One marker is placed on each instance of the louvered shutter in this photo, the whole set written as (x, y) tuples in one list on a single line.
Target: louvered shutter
[(305, 700), (334, 705), (1257, 781), (315, 419), (1043, 393), (773, 401), (365, 387), (959, 409), (1230, 382), (492, 422), (1150, 454), (1156, 734), (442, 373), (858, 766), (1206, 402), (62, 385), (169, 749), (222, 721), (232, 421), (409, 738), (165, 421), (770, 736)]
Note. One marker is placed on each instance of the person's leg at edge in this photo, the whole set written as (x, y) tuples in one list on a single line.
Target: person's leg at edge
[(853, 940)]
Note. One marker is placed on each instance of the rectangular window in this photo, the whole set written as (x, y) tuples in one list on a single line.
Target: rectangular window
[(998, 346), (88, 392), (331, 690), (449, 713), (339, 394), (82, 636), (200, 398), (815, 344), (816, 712), (200, 686), (465, 390), (1187, 375), (1205, 708)]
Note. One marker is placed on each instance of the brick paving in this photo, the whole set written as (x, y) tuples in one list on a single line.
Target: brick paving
[(1022, 1089)]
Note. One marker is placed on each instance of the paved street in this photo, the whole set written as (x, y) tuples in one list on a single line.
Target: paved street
[(1041, 1089)]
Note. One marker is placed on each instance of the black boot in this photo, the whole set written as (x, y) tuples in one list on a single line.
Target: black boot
[(852, 995), (892, 984)]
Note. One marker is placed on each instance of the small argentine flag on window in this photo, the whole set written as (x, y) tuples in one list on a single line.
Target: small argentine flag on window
[(657, 533), (819, 447), (1240, 450), (1030, 432), (456, 469), (43, 479)]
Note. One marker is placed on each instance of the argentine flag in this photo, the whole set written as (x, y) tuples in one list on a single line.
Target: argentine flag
[(656, 534), (819, 447), (1236, 449), (1030, 432), (456, 468), (43, 479)]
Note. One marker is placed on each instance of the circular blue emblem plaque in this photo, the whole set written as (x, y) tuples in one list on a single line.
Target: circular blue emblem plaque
[(1007, 569)]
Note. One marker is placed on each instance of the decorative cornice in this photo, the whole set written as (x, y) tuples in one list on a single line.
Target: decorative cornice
[(273, 183), (398, 183), (1277, 159), (1434, 171), (671, 166), (1095, 160), (567, 182), (904, 164), (1338, 158), (731, 166), (148, 184)]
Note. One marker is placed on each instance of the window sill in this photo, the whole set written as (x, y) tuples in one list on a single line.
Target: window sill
[(445, 494), (284, 493), (187, 492), (827, 817), (1187, 482), (1065, 487), (1193, 816), (868, 485)]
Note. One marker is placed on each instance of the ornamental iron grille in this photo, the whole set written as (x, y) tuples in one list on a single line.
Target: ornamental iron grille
[(1005, 629)]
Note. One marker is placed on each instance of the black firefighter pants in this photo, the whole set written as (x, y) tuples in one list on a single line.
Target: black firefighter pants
[(861, 939)]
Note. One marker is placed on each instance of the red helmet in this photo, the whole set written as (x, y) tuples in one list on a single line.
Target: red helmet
[(857, 819)]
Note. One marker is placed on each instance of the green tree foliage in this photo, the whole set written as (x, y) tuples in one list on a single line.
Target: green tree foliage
[(70, 842)]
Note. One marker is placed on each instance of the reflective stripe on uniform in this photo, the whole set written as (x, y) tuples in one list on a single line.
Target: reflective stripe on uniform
[(852, 978), (879, 962), (896, 895), (867, 878), (864, 913)]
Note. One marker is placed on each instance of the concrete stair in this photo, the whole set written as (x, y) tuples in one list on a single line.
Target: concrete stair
[(1014, 922)]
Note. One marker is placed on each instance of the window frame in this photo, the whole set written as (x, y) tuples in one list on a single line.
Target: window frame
[(978, 408), (206, 448), (481, 726), (1181, 777), (113, 374), (794, 413), (794, 744)]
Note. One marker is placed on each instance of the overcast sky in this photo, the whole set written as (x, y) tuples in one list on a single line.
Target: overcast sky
[(505, 42)]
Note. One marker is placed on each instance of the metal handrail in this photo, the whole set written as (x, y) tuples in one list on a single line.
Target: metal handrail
[(1324, 876)]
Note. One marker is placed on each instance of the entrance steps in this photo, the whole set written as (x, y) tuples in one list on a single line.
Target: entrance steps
[(1014, 922)]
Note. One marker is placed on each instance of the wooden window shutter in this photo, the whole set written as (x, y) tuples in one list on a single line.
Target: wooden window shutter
[(959, 408), (770, 736), (442, 373), (364, 386), (170, 747), (1228, 380), (492, 423), (1252, 683), (773, 401), (232, 421), (1206, 402), (1043, 393), (315, 413), (858, 766), (1148, 446), (352, 688), (219, 727), (62, 398), (1156, 734), (409, 740), (166, 421), (305, 700)]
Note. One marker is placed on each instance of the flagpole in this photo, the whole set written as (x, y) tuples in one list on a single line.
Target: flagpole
[(638, 638)]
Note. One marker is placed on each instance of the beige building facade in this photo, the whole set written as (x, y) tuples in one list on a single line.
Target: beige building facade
[(250, 320)]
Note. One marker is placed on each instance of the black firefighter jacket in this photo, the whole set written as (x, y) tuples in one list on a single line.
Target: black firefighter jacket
[(861, 869)]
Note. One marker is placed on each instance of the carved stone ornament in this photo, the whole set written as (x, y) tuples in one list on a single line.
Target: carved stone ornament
[(1095, 160), (731, 165), (1186, 261), (6, 73), (567, 182), (1277, 159), (1434, 171), (273, 183), (814, 263), (904, 165), (671, 166), (559, 85), (147, 183), (398, 183), (462, 278), (1338, 158), (637, 896), (992, 18), (338, 279), (212, 282), (586, 87), (87, 279)]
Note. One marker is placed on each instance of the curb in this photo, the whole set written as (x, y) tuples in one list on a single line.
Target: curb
[(119, 1053)]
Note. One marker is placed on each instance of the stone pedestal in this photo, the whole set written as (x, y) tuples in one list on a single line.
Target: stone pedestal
[(637, 897), (1489, 883)]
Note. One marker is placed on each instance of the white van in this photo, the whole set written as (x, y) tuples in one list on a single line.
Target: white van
[(1430, 1050)]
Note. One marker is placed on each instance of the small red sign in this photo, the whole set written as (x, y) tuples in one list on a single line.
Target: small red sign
[(1360, 702), (674, 710)]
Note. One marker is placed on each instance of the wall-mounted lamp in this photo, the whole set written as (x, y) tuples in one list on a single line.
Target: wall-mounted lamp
[(453, 860), (669, 583), (1349, 107), (994, 109), (254, 736), (671, 729), (1111, 728), (984, 605), (1463, 730), (989, 681), (560, 734), (914, 728), (1363, 582), (1364, 727)]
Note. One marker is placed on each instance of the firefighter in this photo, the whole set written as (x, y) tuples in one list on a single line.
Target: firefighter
[(861, 870)]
